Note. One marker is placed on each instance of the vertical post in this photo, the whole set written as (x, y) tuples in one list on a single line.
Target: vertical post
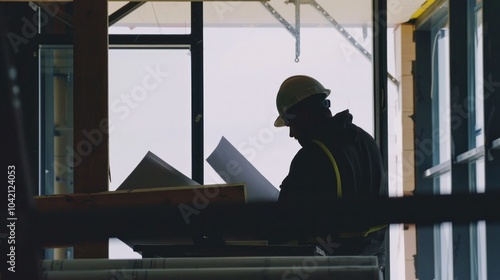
[(491, 68), (423, 150), (380, 74), (91, 151), (459, 119), (380, 90), (197, 118)]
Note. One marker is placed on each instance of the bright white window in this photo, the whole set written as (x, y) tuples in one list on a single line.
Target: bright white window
[(442, 139)]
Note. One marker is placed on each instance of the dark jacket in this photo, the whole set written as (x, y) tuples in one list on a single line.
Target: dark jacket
[(312, 177), (358, 158)]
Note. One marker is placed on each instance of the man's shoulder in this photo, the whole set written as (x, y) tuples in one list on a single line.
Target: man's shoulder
[(308, 149)]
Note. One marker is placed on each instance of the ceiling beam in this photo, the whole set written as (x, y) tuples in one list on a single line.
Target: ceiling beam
[(124, 11)]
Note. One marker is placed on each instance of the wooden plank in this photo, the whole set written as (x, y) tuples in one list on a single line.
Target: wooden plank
[(181, 203), (91, 96), (91, 140), (174, 196)]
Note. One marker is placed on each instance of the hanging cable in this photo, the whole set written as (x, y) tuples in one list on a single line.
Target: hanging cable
[(156, 17)]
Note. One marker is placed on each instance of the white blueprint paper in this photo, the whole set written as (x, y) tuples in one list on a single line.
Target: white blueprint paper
[(233, 167)]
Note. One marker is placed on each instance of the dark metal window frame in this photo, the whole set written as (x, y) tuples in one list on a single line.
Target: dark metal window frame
[(464, 150), (193, 41)]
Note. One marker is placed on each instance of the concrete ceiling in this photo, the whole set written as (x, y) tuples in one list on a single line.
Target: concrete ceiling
[(231, 14)]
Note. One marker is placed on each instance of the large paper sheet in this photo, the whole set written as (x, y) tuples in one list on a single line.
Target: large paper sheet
[(233, 167), (153, 172)]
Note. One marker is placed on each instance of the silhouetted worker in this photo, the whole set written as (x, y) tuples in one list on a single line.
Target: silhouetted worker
[(337, 160)]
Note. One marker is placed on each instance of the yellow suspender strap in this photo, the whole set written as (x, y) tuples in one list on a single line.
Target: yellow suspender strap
[(335, 167), (361, 233), (339, 194)]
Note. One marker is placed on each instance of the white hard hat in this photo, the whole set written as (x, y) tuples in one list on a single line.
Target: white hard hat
[(293, 90)]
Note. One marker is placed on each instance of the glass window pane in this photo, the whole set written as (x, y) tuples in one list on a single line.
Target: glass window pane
[(444, 251), (443, 95), (246, 61), (441, 134), (479, 82), (56, 94), (56, 128), (477, 168), (443, 234), (149, 109)]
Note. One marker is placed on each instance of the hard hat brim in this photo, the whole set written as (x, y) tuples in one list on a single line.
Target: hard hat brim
[(279, 122)]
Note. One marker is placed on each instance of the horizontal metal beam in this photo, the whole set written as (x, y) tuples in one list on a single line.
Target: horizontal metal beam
[(471, 155), (150, 39), (134, 41), (438, 169), (121, 40), (496, 144)]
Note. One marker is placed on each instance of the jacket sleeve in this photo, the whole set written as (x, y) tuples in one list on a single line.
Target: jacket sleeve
[(311, 177)]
